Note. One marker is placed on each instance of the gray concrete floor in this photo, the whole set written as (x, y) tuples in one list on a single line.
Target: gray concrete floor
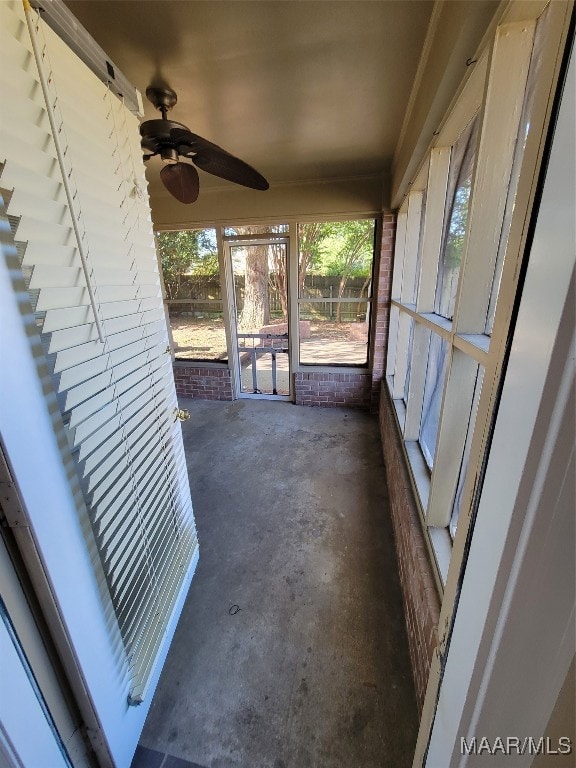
[(291, 651)]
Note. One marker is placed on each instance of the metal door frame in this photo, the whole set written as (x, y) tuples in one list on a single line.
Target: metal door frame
[(228, 242)]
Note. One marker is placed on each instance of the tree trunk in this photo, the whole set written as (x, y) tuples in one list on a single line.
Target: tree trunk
[(280, 277), (256, 311)]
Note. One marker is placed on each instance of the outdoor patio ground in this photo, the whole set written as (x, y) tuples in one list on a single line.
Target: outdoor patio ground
[(291, 651)]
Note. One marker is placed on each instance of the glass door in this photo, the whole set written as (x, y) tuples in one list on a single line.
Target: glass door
[(260, 274)]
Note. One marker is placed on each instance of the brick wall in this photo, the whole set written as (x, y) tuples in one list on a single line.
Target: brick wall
[(331, 390), (381, 305), (421, 600), (203, 383)]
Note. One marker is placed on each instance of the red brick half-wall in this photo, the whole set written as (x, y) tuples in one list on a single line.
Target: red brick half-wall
[(421, 599), (202, 383), (333, 390)]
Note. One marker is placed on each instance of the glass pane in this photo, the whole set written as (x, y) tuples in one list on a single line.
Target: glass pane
[(466, 455), (334, 333), (198, 331), (260, 288), (190, 269), (433, 391), (409, 361), (255, 229), (456, 220), (335, 259), (189, 260), (333, 287), (523, 130)]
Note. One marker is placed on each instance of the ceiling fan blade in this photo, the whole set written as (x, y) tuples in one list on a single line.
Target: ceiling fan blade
[(215, 160), (181, 180), (226, 166)]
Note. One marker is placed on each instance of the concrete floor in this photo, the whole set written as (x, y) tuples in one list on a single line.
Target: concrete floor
[(291, 651)]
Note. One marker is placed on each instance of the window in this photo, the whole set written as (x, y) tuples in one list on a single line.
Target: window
[(456, 223), (191, 272), (452, 248), (335, 262)]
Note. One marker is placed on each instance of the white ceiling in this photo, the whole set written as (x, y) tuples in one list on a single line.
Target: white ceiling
[(302, 90)]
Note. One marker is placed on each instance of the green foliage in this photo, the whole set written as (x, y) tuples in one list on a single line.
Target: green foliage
[(458, 225), (343, 248), (350, 249), (313, 238), (186, 252)]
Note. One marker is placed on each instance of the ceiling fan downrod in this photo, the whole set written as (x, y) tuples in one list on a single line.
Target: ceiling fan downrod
[(163, 99)]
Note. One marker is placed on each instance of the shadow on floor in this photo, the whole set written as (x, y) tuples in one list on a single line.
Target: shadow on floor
[(291, 651)]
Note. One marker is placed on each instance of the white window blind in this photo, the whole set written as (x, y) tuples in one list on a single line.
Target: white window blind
[(92, 274)]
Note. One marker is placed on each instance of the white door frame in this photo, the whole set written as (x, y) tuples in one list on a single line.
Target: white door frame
[(228, 242)]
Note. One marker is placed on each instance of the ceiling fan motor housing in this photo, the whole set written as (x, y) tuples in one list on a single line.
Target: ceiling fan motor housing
[(162, 98)]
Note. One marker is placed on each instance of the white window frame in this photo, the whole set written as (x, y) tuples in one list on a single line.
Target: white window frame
[(227, 284), (297, 300), (495, 90)]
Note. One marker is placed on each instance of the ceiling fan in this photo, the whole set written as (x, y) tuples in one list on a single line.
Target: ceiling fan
[(173, 140)]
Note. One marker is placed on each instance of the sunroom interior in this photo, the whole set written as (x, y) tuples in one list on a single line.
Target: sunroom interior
[(419, 217)]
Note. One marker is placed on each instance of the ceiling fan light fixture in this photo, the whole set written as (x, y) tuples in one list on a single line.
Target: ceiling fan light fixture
[(169, 156)]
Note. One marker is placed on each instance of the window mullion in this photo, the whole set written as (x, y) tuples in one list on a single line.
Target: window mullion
[(399, 252), (393, 323), (502, 113), (433, 227), (411, 245)]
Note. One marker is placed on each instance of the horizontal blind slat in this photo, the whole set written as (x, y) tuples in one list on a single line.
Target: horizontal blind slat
[(33, 229), (69, 338), (56, 277), (59, 319), (13, 19), (39, 207), (19, 177)]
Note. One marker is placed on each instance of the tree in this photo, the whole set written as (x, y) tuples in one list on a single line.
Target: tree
[(313, 239), (256, 310), (186, 252), (354, 256), (279, 277)]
